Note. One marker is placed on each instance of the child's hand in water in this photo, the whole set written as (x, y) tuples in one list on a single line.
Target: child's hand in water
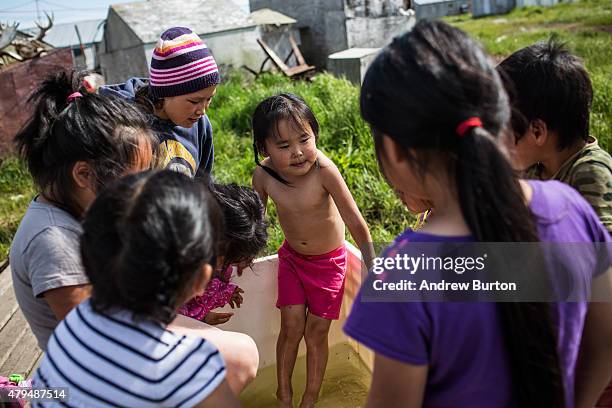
[(236, 299), (214, 318)]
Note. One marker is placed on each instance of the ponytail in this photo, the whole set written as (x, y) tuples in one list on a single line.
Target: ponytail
[(69, 125), (493, 206), (51, 99), (490, 195)]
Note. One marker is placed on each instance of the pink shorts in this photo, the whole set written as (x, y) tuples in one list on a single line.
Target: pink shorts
[(316, 281)]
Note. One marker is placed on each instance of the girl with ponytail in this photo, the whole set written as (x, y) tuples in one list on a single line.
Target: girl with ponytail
[(438, 114), (74, 144)]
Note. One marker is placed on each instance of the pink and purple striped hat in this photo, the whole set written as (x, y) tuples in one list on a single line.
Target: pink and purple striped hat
[(181, 64)]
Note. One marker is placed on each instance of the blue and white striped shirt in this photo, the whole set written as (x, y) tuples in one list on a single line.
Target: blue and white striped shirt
[(112, 360)]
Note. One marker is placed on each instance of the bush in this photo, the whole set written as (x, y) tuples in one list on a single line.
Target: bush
[(16, 191)]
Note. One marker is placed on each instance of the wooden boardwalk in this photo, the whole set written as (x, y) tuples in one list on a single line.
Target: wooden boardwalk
[(19, 351)]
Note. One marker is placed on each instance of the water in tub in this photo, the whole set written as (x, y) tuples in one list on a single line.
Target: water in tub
[(345, 384)]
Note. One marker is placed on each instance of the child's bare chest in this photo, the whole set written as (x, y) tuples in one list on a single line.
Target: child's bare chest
[(307, 197)]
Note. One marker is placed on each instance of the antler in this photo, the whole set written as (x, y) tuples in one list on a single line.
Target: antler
[(8, 35), (43, 30)]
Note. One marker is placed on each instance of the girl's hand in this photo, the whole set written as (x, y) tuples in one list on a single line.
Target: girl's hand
[(236, 299), (214, 318)]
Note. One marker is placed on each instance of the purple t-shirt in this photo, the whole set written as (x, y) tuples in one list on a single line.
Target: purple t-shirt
[(462, 343)]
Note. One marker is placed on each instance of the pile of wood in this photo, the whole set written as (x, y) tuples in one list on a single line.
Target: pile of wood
[(16, 46)]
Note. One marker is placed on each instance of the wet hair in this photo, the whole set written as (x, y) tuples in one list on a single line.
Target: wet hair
[(417, 91), (106, 132), (245, 226), (145, 239), (547, 82), (267, 116)]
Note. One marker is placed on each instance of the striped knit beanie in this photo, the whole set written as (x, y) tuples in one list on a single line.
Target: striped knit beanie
[(181, 64)]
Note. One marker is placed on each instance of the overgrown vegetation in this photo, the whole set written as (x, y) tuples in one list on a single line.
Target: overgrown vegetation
[(586, 26), (16, 191)]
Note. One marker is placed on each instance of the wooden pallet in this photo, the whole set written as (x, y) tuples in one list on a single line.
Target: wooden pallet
[(19, 351)]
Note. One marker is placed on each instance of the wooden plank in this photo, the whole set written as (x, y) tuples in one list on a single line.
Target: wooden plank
[(296, 51), (36, 364), (23, 356), (273, 56), (6, 281), (11, 335), (299, 69), (8, 307), (8, 302)]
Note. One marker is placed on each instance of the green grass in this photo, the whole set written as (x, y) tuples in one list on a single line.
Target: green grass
[(16, 191), (586, 28)]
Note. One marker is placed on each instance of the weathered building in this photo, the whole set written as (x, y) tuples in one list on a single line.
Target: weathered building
[(227, 27), (17, 81), (352, 64), (82, 37), (434, 9), (329, 26), (545, 3), (482, 8)]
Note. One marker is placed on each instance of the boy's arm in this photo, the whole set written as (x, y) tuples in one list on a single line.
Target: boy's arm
[(594, 366), (258, 186), (337, 188), (593, 180)]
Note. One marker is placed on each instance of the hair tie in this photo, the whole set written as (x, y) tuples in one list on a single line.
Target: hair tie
[(73, 96), (467, 124)]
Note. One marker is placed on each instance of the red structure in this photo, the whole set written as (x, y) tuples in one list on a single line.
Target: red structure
[(17, 82)]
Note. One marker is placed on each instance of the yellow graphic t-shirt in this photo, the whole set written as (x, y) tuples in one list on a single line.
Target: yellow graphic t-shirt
[(174, 156)]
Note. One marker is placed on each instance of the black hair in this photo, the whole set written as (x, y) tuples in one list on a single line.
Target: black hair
[(245, 226), (106, 132), (268, 114), (145, 239), (417, 91), (146, 101), (547, 82)]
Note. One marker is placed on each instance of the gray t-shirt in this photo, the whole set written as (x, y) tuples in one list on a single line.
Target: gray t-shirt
[(44, 255)]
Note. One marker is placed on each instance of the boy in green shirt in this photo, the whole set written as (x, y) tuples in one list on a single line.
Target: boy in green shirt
[(551, 95)]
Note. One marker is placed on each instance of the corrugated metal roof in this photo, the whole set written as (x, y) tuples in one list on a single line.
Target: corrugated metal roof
[(149, 18), (267, 16), (64, 35)]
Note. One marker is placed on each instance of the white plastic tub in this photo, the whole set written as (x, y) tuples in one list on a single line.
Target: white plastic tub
[(259, 318)]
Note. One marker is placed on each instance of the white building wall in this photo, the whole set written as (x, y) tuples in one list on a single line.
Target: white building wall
[(545, 3), (239, 47)]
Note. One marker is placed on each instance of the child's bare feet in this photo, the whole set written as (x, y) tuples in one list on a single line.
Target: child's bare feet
[(285, 399), (308, 401)]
